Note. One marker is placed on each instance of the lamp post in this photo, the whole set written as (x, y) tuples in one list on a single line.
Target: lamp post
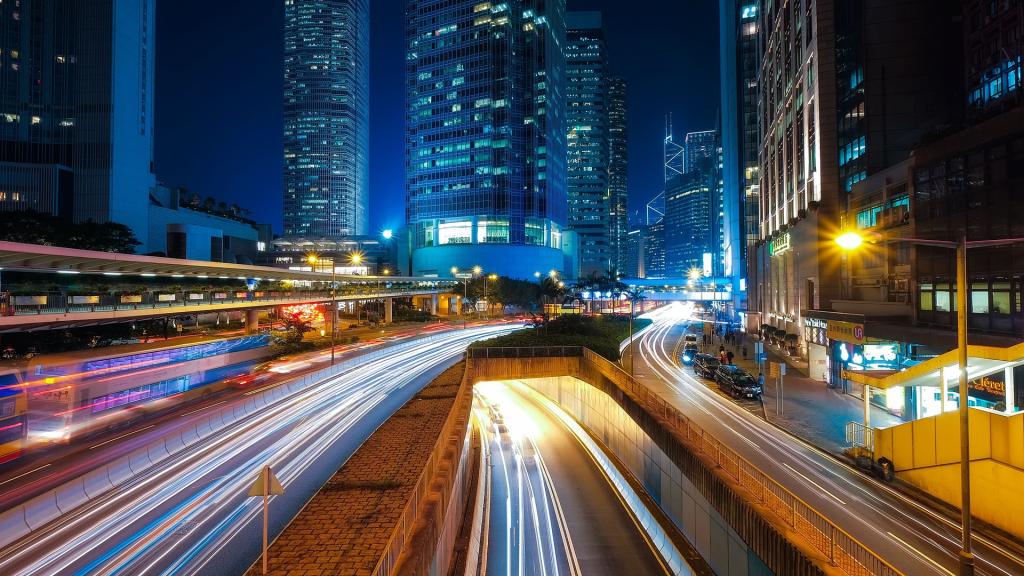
[(313, 259), (851, 241)]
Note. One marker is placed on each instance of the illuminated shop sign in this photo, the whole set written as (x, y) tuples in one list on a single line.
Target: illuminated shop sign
[(779, 245)]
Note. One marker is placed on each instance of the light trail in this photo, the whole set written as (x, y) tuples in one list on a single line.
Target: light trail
[(875, 508), (188, 513)]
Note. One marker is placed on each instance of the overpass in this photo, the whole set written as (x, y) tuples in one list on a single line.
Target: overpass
[(238, 288), (682, 289)]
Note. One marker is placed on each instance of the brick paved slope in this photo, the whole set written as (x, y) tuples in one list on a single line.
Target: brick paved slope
[(343, 530)]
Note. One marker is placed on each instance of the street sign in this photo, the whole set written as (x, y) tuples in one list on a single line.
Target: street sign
[(265, 486), (782, 368), (762, 357), (776, 369), (257, 488), (759, 348)]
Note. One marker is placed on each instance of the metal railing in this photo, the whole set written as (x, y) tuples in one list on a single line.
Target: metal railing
[(860, 436), (530, 352), (840, 548), (62, 303)]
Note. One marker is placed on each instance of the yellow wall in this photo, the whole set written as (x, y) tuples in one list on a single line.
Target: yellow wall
[(926, 453)]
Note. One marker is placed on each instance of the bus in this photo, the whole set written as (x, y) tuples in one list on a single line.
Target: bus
[(13, 415), (75, 394)]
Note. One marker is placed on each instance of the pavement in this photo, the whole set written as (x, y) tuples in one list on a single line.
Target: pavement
[(809, 409)]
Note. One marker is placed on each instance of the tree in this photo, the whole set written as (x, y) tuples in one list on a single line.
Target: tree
[(103, 237), (296, 325), (45, 230), (30, 228)]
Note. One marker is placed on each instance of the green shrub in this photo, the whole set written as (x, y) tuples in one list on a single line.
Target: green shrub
[(601, 334)]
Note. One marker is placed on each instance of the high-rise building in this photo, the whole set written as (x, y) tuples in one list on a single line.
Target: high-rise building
[(653, 248), (739, 67), (326, 118), (76, 109), (700, 150), (587, 117), (634, 267), (618, 172), (486, 135), (846, 90), (689, 223)]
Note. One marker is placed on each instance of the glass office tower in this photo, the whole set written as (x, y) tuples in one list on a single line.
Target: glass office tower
[(486, 135), (586, 63), (326, 118), (76, 109), (618, 174)]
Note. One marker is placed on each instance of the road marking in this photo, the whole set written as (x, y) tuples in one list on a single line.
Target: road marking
[(203, 408), (921, 554), (121, 436), (24, 474), (819, 486)]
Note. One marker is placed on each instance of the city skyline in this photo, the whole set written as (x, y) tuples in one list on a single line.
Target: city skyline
[(241, 138)]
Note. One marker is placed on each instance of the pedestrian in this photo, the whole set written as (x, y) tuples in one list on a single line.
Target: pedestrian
[(729, 355), (760, 379)]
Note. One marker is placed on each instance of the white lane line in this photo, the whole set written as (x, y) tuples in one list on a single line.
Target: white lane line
[(121, 436), (203, 408), (919, 553), (819, 486), (24, 474)]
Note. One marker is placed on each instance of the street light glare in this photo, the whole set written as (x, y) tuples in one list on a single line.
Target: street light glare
[(695, 274), (387, 234), (849, 240), (454, 270), (477, 270)]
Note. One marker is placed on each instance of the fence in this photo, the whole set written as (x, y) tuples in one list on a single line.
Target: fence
[(531, 352), (860, 436)]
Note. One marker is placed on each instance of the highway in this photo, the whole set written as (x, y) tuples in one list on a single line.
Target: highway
[(913, 538), (551, 509), (190, 513)]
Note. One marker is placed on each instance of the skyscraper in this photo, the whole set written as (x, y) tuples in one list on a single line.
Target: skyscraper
[(326, 118), (76, 109), (587, 117), (740, 188), (700, 150), (486, 135), (618, 173), (689, 222)]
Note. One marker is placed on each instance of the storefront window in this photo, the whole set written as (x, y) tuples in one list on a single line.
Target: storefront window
[(1001, 298), (979, 302), (942, 302), (927, 300)]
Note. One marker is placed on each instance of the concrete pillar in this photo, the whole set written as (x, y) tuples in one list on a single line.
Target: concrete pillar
[(433, 304), (252, 321), (944, 389), (1010, 396), (867, 406), (389, 309)]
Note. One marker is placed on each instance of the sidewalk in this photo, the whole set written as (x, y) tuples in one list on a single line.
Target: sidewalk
[(810, 410)]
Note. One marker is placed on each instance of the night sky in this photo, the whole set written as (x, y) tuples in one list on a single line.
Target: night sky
[(218, 94)]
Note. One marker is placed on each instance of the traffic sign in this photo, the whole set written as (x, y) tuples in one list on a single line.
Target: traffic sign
[(257, 489)]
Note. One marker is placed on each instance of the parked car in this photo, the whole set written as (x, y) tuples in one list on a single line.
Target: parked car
[(737, 382), (704, 365), (690, 351)]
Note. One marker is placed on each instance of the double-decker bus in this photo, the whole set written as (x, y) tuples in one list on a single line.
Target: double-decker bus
[(13, 413), (74, 394)]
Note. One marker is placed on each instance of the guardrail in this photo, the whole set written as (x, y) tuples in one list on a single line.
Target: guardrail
[(531, 352), (860, 436), (61, 303), (840, 548), (34, 514)]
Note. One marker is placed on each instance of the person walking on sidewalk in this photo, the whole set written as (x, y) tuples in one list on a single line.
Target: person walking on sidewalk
[(760, 379), (729, 355)]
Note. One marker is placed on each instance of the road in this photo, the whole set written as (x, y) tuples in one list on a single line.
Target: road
[(551, 509), (190, 514), (912, 537)]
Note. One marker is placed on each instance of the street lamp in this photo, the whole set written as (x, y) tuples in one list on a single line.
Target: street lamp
[(314, 260), (852, 241)]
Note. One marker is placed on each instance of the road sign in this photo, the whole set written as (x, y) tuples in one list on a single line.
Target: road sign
[(776, 369), (266, 484), (257, 488), (762, 357), (759, 349)]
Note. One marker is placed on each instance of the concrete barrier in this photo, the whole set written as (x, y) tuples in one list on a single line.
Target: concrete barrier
[(139, 460), (158, 451), (96, 482), (203, 429), (41, 509), (119, 471), (173, 443), (189, 436), (13, 525), (70, 495)]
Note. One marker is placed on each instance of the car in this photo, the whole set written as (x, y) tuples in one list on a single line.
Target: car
[(705, 365), (690, 338), (737, 382), (690, 350)]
